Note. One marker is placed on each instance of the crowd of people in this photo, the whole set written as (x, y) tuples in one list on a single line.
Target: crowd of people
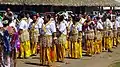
[(54, 38)]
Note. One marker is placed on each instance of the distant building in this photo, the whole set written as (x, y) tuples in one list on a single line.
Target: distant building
[(59, 5)]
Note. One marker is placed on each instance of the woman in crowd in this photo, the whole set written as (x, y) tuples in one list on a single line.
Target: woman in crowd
[(48, 35), (7, 36), (62, 39), (89, 34), (24, 38), (76, 39), (34, 33)]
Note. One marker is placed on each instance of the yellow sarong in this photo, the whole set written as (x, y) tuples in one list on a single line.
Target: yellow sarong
[(90, 47), (25, 47)]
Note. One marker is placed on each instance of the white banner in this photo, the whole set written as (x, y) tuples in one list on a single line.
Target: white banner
[(106, 8), (117, 8)]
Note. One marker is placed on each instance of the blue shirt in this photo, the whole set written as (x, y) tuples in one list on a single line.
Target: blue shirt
[(7, 40)]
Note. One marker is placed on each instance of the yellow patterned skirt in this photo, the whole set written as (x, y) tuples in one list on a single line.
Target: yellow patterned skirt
[(90, 47), (118, 39), (75, 50), (108, 43), (62, 47), (98, 46), (34, 41), (25, 44), (115, 41), (25, 49), (47, 50)]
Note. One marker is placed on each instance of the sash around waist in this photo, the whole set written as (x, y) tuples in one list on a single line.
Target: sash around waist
[(46, 35), (89, 31)]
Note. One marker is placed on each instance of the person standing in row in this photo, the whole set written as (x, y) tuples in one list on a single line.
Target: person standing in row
[(48, 30), (24, 38), (70, 22), (98, 38), (34, 34), (7, 33), (118, 29), (89, 34), (107, 35), (62, 39), (29, 20), (76, 39), (115, 25)]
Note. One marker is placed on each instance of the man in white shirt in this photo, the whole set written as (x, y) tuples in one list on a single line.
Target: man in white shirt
[(99, 24), (47, 38), (24, 38), (62, 28), (108, 26), (40, 21), (29, 20), (98, 32), (75, 38)]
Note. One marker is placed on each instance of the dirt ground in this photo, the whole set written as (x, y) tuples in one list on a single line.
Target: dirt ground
[(104, 59)]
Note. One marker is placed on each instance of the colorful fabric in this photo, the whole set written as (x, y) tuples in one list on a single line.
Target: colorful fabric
[(34, 35), (24, 36), (76, 50), (46, 41), (62, 39), (90, 47), (60, 52), (98, 46), (33, 48), (7, 40), (14, 40), (114, 41), (108, 43), (25, 47)]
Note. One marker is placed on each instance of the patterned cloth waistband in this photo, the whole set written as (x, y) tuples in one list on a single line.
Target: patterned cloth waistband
[(47, 35)]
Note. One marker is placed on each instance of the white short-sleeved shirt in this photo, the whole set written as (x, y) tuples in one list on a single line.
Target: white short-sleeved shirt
[(118, 19), (13, 24), (50, 28), (40, 22), (117, 24), (66, 23), (62, 28), (70, 23), (78, 27), (29, 21), (36, 26), (108, 23), (82, 20), (99, 25), (111, 25), (23, 25)]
